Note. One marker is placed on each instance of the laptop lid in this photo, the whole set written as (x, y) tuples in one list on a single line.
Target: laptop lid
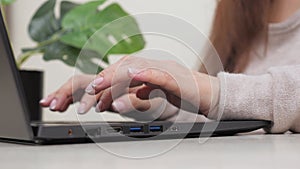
[(14, 120)]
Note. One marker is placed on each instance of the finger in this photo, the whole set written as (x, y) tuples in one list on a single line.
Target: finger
[(109, 94), (66, 105), (149, 75), (135, 89), (129, 102), (74, 84), (142, 110), (87, 102), (45, 102), (114, 74), (57, 99), (155, 77), (144, 92), (147, 92)]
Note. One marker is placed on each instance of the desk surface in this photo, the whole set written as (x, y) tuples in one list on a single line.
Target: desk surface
[(250, 151)]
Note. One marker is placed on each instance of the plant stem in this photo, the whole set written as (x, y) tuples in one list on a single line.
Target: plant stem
[(38, 49), (54, 38), (25, 56)]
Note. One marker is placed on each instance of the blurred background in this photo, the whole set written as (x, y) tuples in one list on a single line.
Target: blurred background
[(197, 13)]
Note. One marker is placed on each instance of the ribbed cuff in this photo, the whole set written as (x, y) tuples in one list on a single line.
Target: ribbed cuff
[(244, 97)]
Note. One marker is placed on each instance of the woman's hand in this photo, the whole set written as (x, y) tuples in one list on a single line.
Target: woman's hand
[(74, 90), (138, 85), (190, 90)]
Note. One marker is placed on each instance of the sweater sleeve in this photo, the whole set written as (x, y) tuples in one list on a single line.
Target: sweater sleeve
[(272, 96)]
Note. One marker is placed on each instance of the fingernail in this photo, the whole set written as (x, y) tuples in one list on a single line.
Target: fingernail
[(97, 82), (119, 106), (53, 104), (98, 106), (133, 71), (43, 101), (82, 108), (90, 89)]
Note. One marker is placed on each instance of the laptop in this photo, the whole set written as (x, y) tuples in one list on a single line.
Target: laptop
[(15, 124)]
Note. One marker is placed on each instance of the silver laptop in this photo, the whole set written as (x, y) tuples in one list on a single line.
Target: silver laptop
[(15, 124)]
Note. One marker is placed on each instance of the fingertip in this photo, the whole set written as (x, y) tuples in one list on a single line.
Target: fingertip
[(98, 81), (45, 102), (119, 106), (99, 107), (53, 105), (42, 101), (82, 108), (90, 89)]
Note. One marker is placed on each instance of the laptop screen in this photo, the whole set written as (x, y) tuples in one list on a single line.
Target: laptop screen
[(13, 119)]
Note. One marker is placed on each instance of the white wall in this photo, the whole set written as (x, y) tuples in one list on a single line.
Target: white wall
[(197, 12)]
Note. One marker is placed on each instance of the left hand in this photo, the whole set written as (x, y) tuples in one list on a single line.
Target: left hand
[(182, 87)]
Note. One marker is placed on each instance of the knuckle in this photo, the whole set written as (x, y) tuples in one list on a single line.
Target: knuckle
[(149, 73), (102, 73), (167, 76), (106, 94)]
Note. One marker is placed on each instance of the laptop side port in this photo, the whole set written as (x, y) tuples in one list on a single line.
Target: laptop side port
[(94, 133), (114, 130), (156, 128), (136, 129)]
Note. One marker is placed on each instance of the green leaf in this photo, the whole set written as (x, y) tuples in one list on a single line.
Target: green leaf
[(59, 51), (76, 39), (87, 62), (6, 2), (77, 17), (69, 37), (65, 7), (43, 24), (74, 57), (120, 36), (55, 49)]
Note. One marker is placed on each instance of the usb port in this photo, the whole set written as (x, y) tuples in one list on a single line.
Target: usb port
[(155, 128), (136, 129)]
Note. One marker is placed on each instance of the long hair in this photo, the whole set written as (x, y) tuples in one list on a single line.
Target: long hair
[(237, 24)]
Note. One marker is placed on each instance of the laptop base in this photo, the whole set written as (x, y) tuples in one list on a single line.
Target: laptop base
[(74, 132)]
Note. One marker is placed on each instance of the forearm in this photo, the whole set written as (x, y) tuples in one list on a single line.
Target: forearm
[(273, 96)]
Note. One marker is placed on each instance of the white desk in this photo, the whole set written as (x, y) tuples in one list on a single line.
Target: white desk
[(250, 151)]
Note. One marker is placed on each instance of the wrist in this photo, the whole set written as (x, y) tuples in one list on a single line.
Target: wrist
[(209, 92)]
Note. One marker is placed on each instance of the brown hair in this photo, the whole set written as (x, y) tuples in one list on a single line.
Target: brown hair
[(237, 24)]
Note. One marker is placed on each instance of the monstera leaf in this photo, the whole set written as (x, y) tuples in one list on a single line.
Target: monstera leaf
[(82, 29), (124, 31), (43, 24)]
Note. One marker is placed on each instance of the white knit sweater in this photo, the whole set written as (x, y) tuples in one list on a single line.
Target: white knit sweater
[(269, 89)]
